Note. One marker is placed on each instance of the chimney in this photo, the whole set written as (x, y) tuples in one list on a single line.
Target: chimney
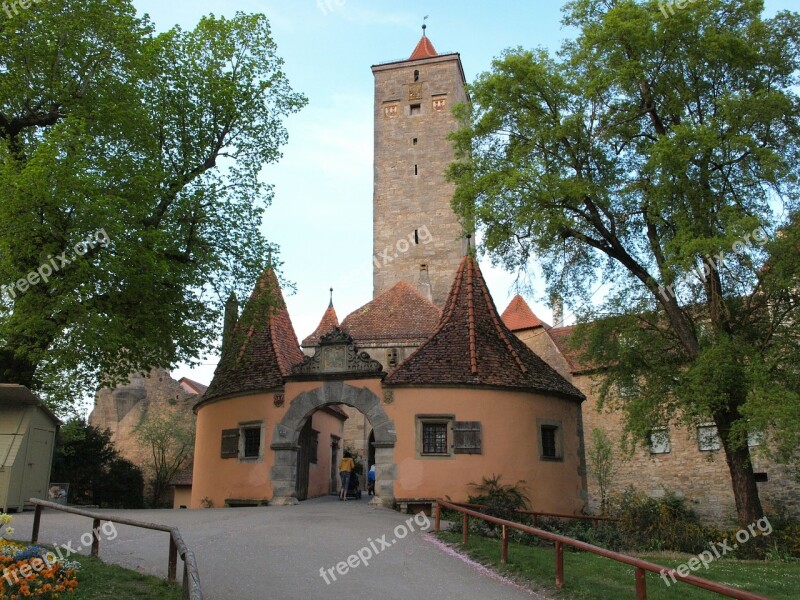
[(557, 304), (231, 318), (424, 284)]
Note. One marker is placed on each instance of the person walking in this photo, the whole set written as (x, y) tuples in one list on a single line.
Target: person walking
[(371, 481), (346, 467)]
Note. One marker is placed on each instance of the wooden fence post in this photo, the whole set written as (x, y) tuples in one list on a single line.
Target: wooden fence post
[(559, 565), (641, 584), (438, 516), (465, 529), (37, 517), (173, 559), (504, 547), (95, 537)]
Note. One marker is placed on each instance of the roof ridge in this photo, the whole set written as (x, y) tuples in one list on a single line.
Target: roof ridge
[(496, 321), (473, 348)]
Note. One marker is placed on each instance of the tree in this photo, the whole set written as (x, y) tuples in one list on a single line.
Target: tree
[(602, 464), (168, 437), (85, 458), (659, 155), (129, 173)]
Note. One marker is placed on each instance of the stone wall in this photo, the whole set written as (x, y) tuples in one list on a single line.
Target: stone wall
[(121, 409), (700, 476), (416, 236)]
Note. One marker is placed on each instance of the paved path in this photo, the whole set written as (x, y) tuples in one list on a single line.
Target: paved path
[(276, 553)]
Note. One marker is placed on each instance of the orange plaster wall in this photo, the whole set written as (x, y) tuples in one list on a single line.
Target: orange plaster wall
[(182, 497), (510, 446), (218, 478), (319, 474)]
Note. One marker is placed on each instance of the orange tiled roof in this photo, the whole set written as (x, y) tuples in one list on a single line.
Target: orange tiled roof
[(424, 49), (518, 316), (400, 313), (328, 322), (472, 347), (263, 346)]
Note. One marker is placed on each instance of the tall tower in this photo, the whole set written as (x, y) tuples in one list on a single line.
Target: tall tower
[(416, 235)]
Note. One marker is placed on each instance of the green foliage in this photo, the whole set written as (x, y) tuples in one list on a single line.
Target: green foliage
[(157, 140), (86, 458), (632, 159), (501, 500), (168, 436), (602, 464)]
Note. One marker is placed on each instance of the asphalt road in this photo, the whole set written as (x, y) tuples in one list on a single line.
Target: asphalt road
[(291, 552)]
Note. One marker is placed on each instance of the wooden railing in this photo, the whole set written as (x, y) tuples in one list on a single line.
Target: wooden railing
[(641, 567), (177, 547)]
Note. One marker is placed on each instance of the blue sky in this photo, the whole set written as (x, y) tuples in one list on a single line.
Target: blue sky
[(322, 212)]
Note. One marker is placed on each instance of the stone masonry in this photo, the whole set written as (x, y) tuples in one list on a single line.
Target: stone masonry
[(417, 237)]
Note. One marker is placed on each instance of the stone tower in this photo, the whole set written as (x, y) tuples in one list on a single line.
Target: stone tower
[(416, 236)]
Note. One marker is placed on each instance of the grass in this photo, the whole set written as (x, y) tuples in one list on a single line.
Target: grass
[(591, 577), (98, 580)]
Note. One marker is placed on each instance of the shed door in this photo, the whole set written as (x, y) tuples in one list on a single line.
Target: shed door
[(37, 465)]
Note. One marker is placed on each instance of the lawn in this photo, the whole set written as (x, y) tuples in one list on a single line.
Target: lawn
[(591, 577), (97, 580)]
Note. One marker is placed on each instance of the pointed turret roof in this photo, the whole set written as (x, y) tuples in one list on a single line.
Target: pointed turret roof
[(263, 346), (472, 347), (518, 316), (424, 49), (400, 313), (327, 324)]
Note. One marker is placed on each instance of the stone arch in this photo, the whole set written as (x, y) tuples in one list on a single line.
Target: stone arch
[(286, 435)]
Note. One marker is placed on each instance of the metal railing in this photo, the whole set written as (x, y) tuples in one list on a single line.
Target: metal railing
[(641, 567), (177, 547)]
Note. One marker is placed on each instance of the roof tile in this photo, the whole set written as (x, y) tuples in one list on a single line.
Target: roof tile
[(472, 347)]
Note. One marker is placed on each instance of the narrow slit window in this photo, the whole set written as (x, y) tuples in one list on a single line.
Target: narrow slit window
[(416, 236), (416, 170), (414, 141), (416, 75)]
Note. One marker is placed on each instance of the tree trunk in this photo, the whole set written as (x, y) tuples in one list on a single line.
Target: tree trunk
[(745, 491)]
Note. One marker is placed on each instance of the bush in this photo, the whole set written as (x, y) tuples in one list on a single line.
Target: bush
[(500, 500)]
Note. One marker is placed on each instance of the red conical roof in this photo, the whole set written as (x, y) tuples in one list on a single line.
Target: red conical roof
[(263, 346), (424, 49), (518, 316), (472, 347), (328, 322)]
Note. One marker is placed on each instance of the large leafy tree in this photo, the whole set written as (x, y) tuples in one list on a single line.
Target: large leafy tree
[(149, 146), (657, 154)]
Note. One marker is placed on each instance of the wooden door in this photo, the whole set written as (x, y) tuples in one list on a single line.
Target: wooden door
[(304, 460)]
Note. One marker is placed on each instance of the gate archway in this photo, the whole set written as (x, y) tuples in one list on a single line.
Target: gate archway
[(286, 435)]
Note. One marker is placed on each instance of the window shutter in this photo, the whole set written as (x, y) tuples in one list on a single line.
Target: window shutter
[(467, 437), (230, 443)]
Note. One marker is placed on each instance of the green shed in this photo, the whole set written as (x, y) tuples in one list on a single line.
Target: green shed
[(27, 438)]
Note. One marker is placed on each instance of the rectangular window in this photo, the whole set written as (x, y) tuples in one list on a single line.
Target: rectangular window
[(252, 442), (659, 441), (434, 438), (467, 437), (415, 109), (435, 435), (707, 438), (551, 443)]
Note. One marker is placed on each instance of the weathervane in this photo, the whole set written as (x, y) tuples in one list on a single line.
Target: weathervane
[(424, 26)]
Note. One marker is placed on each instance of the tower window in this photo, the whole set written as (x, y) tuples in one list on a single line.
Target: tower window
[(416, 236), (415, 109), (416, 75), (416, 170), (414, 141)]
